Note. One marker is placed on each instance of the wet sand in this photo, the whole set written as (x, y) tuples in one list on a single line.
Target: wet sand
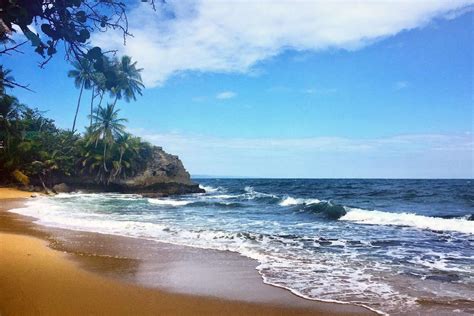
[(60, 272)]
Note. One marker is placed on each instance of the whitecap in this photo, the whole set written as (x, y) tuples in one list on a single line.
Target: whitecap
[(168, 202), (361, 216), (288, 201), (209, 189)]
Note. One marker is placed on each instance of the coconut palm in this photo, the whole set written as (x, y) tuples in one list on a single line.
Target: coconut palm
[(98, 90), (83, 74), (128, 148), (128, 80), (107, 127)]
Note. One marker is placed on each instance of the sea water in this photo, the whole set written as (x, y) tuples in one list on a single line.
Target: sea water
[(395, 246)]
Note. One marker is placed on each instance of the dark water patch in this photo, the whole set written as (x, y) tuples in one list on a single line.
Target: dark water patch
[(325, 210), (266, 199), (217, 204), (380, 193), (385, 243), (445, 277)]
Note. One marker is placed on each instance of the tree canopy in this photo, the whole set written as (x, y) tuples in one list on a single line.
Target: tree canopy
[(70, 22), (37, 152), (32, 148)]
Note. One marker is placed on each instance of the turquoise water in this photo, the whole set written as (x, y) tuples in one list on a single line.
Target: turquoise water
[(396, 246)]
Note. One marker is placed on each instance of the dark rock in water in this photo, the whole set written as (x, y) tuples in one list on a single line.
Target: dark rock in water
[(61, 188), (162, 175)]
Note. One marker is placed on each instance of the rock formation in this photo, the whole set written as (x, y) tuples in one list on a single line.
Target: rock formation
[(162, 175)]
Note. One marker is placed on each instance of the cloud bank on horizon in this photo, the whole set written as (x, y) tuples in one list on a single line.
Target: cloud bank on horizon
[(233, 36)]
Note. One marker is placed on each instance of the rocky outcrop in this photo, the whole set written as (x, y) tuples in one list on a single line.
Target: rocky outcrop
[(162, 175), (61, 188)]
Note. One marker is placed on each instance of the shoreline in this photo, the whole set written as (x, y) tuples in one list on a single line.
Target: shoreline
[(100, 263)]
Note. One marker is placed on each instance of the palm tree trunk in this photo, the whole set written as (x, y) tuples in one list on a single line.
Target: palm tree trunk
[(120, 164), (115, 102), (77, 108), (105, 150), (92, 104), (42, 183), (101, 97)]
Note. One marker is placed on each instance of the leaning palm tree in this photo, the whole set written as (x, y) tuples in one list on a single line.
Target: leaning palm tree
[(128, 80), (128, 148), (107, 127), (83, 74)]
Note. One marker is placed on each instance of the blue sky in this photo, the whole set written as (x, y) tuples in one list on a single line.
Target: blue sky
[(394, 102)]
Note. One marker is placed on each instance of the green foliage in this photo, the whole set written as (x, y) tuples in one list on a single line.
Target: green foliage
[(36, 151), (67, 21), (120, 77)]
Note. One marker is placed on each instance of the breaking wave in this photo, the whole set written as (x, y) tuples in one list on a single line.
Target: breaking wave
[(361, 216)]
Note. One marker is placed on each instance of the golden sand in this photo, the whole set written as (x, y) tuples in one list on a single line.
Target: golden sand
[(11, 193)]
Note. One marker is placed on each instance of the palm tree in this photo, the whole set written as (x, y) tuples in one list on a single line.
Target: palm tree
[(107, 127), (6, 79), (83, 74), (129, 150), (10, 112), (98, 90), (128, 80)]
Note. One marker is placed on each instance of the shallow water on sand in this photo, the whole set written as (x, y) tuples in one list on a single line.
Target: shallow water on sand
[(396, 246)]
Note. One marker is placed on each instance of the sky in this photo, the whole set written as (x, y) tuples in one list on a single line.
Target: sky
[(312, 89)]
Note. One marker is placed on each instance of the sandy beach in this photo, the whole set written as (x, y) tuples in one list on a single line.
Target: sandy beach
[(37, 279)]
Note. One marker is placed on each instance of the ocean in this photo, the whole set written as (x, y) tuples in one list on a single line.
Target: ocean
[(395, 246)]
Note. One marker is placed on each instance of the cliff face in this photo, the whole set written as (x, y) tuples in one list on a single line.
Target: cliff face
[(162, 175), (161, 168)]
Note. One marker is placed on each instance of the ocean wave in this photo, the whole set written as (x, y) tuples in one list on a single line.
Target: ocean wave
[(288, 201), (168, 202), (89, 196), (361, 216), (326, 209), (221, 204), (225, 196), (210, 189), (315, 206), (251, 194)]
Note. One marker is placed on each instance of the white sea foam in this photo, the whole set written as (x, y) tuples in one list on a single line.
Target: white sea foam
[(168, 202), (407, 219), (251, 194), (225, 196), (288, 201), (209, 189), (115, 196)]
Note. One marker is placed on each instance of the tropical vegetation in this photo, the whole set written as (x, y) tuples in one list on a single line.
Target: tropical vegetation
[(34, 151), (123, 80)]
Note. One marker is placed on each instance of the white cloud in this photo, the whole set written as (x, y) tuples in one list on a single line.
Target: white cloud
[(224, 95), (232, 36), (400, 85), (319, 91), (415, 155)]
